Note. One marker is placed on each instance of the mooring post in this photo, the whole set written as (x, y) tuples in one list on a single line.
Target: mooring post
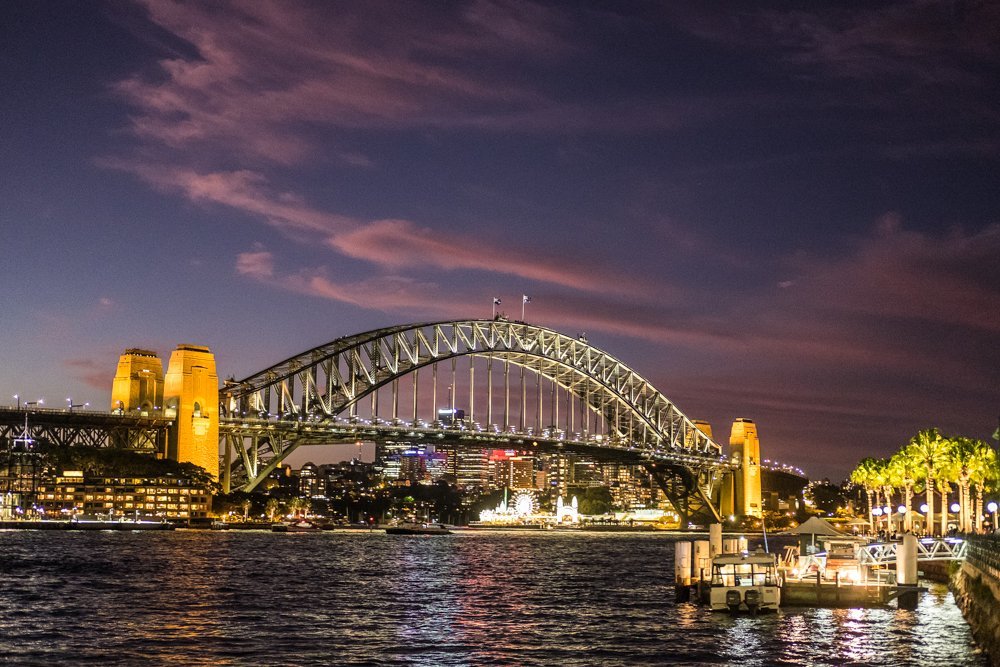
[(906, 572), (682, 571), (701, 564), (714, 540)]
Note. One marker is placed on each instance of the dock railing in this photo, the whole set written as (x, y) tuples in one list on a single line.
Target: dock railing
[(984, 553), (881, 554)]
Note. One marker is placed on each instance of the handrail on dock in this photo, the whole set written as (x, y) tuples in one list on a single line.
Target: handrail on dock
[(928, 549)]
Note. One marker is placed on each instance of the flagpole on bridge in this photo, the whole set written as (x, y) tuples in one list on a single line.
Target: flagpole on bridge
[(525, 299), (496, 302)]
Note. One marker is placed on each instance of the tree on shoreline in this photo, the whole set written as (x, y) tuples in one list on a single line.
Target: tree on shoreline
[(930, 452)]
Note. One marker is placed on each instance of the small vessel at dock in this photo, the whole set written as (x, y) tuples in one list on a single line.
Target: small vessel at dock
[(417, 529), (745, 582), (300, 526)]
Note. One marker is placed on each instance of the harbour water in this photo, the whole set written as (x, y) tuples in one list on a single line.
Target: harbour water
[(367, 598)]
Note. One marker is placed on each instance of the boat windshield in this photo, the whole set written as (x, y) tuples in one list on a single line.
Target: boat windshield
[(743, 574)]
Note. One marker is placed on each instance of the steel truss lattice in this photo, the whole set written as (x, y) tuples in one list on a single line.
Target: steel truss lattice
[(329, 381)]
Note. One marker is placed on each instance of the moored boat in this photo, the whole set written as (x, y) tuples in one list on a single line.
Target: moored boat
[(89, 522), (745, 582), (417, 529), (299, 526)]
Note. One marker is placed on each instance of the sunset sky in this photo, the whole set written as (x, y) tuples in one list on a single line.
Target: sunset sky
[(788, 212)]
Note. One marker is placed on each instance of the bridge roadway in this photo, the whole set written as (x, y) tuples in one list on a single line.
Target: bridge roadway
[(83, 428)]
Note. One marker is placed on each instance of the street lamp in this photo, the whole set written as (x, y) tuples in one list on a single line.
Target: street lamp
[(991, 507), (18, 399), (72, 405)]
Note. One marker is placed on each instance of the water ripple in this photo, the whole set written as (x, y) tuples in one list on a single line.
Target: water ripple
[(366, 598)]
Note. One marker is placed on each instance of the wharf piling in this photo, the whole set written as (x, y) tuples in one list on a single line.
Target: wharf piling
[(682, 571)]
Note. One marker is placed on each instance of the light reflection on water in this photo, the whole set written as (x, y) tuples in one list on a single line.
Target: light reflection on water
[(367, 598)]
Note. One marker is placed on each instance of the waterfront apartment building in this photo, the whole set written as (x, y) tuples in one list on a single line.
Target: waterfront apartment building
[(170, 497)]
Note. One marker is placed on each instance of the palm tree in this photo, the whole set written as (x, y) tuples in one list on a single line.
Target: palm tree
[(929, 451), (962, 461), (883, 482), (273, 507), (863, 475), (904, 472), (981, 472)]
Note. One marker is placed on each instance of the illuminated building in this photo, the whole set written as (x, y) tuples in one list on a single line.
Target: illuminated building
[(171, 497), (631, 486), (512, 470), (387, 458), (567, 513), (20, 470), (471, 467), (310, 484), (191, 399), (410, 462)]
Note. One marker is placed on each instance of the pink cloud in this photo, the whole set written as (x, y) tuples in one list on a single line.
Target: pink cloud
[(913, 275), (93, 373), (257, 264), (401, 243), (391, 244), (268, 76)]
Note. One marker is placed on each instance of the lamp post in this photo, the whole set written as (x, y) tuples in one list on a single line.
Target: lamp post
[(72, 405), (955, 509), (991, 507), (17, 398)]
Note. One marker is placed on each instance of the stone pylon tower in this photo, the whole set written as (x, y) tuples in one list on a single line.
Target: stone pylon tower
[(745, 450), (191, 398), (138, 385), (727, 484), (703, 426)]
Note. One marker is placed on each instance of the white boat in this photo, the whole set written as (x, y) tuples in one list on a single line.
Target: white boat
[(745, 582), (298, 526)]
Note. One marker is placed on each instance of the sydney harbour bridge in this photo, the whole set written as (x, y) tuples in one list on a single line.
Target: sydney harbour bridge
[(519, 386), (464, 385)]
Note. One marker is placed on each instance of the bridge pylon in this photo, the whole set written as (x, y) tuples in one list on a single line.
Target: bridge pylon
[(742, 492), (191, 399)]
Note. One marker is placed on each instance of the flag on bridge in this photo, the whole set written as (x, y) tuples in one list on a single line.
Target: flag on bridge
[(496, 301), (525, 298)]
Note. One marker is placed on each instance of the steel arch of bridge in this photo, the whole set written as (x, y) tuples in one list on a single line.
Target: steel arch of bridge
[(325, 382)]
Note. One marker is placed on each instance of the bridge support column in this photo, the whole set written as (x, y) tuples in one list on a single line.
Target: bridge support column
[(681, 487), (225, 475), (191, 394), (745, 448)]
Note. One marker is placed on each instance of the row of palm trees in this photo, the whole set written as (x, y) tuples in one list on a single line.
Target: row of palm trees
[(933, 464)]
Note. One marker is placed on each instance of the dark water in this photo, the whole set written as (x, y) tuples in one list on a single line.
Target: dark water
[(359, 598)]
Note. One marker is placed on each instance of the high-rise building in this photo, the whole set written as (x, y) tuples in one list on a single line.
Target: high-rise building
[(387, 458), (310, 483), (509, 469)]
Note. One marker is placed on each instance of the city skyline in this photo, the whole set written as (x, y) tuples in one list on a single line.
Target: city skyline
[(784, 215)]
